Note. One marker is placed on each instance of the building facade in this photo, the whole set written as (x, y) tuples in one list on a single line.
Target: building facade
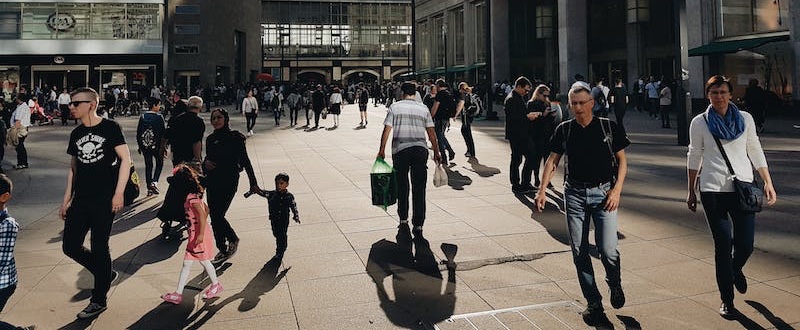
[(212, 43), (553, 40), (68, 44), (336, 41)]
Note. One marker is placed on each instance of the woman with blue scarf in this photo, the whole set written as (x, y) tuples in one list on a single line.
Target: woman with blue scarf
[(736, 131)]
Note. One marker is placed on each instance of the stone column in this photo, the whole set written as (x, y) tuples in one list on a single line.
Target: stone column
[(573, 55), (635, 53), (499, 50), (794, 32)]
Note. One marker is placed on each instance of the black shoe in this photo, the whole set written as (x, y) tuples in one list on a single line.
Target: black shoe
[(220, 257), (232, 247), (740, 281), (166, 230), (617, 297), (593, 314), (517, 189), (452, 154), (527, 189), (91, 311), (727, 310)]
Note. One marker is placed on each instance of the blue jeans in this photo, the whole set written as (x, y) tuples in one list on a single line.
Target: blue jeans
[(440, 126), (730, 250), (584, 202)]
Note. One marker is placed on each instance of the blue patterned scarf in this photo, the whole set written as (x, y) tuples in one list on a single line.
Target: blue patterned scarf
[(729, 127)]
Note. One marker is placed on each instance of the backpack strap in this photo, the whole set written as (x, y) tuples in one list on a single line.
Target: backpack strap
[(608, 138), (566, 128)]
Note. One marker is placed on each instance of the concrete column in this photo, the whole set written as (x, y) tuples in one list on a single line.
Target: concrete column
[(794, 31), (573, 55), (634, 52), (499, 50), (699, 11)]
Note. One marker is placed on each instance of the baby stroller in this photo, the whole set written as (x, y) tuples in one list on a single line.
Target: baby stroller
[(38, 114)]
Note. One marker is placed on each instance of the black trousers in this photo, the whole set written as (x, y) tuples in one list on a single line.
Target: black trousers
[(152, 174), (619, 112), (317, 113), (5, 294), (251, 120), (414, 161), (280, 227), (308, 116), (522, 148), (665, 115), (64, 109), (95, 216), (22, 153), (220, 195), (466, 132), (293, 113)]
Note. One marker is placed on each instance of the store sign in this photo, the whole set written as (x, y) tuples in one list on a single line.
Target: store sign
[(61, 22), (58, 60)]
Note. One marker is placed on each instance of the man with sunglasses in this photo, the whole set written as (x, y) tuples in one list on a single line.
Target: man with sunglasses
[(99, 171), (594, 175), (517, 127)]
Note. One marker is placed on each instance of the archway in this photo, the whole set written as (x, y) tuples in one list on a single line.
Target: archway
[(399, 72), (312, 76), (366, 76)]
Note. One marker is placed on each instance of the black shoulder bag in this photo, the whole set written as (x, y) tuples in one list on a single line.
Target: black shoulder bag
[(750, 197)]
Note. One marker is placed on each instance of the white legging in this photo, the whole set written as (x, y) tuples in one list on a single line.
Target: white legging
[(187, 268)]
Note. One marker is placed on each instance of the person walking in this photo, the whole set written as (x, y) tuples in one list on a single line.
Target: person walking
[(619, 100), (317, 104), (21, 120), (363, 101), (63, 106), (444, 108), (665, 103), (250, 109), (595, 173), (517, 126), (96, 180), (756, 99), (185, 132), (336, 106), (198, 246), (651, 89), (226, 156), (466, 108), (411, 121), (293, 102), (722, 146), (541, 119), (9, 229), (150, 138)]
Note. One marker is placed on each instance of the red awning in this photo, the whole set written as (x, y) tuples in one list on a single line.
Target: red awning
[(265, 77)]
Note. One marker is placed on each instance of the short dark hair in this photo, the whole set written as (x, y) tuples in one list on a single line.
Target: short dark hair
[(87, 90), (441, 83), (718, 80), (409, 88), (282, 177), (522, 82), (153, 101), (5, 184)]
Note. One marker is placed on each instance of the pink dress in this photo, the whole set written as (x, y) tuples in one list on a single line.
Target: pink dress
[(194, 251)]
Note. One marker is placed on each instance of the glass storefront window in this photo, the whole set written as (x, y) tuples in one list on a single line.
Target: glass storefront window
[(71, 20), (740, 17)]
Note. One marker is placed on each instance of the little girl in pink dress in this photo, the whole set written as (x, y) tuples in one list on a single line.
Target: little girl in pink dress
[(200, 244)]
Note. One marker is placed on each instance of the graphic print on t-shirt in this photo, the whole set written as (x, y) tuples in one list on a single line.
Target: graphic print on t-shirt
[(90, 148)]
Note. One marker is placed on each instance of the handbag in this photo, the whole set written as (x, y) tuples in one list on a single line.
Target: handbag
[(439, 176), (749, 196)]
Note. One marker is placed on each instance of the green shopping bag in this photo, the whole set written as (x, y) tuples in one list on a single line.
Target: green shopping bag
[(383, 181)]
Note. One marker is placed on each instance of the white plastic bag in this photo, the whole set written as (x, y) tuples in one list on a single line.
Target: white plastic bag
[(439, 176)]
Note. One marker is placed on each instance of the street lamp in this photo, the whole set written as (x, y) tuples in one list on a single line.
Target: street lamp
[(408, 51), (383, 49)]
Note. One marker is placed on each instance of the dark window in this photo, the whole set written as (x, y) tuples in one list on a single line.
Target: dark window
[(187, 49), (187, 10), (187, 29), (9, 25)]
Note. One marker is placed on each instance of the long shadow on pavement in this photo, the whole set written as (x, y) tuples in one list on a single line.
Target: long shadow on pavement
[(482, 170), (416, 280), (169, 316), (552, 217), (264, 281), (456, 180), (776, 321)]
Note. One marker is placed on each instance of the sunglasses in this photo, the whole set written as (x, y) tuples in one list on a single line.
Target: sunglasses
[(75, 104)]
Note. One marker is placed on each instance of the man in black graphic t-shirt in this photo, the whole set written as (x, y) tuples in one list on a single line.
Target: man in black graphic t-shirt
[(96, 181)]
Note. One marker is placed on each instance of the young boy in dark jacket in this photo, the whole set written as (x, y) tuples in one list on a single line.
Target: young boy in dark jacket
[(280, 202)]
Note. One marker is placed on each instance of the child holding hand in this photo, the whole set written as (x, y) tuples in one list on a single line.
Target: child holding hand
[(280, 201), (201, 239)]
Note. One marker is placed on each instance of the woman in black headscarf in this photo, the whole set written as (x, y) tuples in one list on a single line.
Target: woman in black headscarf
[(226, 156)]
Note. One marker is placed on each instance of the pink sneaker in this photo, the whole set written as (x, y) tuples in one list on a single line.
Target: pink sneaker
[(173, 298), (213, 291)]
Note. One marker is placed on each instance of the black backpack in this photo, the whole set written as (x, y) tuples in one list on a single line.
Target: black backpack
[(448, 109), (474, 106)]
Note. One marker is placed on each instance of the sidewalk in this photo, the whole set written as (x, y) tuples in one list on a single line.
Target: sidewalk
[(347, 267)]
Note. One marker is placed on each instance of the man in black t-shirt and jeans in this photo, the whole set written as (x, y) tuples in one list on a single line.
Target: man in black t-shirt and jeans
[(595, 172), (185, 133), (96, 182)]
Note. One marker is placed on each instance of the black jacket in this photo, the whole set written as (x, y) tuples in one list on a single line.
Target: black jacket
[(226, 148)]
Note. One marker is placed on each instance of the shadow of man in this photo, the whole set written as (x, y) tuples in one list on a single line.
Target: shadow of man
[(482, 170), (777, 321), (416, 281), (457, 180), (551, 218)]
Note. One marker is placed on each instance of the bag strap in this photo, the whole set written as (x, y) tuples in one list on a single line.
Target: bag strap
[(721, 150), (566, 127), (608, 138)]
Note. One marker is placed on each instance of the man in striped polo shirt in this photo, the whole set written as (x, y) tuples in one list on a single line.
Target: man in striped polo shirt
[(411, 121)]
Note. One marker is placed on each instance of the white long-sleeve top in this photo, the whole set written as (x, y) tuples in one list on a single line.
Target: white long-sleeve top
[(336, 98), (744, 152)]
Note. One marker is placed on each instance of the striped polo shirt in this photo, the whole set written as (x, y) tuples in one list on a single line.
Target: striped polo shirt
[(409, 120)]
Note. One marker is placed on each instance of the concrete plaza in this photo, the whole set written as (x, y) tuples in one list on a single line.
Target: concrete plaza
[(347, 267)]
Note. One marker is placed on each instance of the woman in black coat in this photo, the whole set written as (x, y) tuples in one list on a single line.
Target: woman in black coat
[(226, 156)]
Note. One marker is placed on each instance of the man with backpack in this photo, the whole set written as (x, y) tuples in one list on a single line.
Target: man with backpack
[(444, 108), (149, 137), (600, 107), (468, 107), (595, 170)]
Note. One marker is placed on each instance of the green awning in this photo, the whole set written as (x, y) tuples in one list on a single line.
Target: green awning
[(737, 44)]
